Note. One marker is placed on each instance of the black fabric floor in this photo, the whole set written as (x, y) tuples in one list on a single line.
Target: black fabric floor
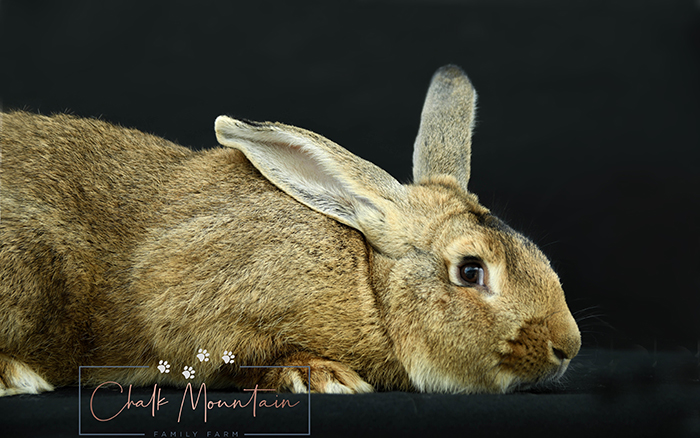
[(607, 393)]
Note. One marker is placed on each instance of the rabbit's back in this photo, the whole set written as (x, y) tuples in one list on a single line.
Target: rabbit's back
[(76, 196), (81, 181)]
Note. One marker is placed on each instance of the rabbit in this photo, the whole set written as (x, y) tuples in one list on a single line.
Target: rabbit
[(277, 249)]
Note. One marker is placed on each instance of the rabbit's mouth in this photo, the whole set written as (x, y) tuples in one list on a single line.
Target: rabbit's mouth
[(546, 382)]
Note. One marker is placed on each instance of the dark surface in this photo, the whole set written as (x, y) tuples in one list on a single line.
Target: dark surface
[(588, 141), (630, 393)]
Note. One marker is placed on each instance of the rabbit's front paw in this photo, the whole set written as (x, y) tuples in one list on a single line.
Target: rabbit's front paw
[(322, 376)]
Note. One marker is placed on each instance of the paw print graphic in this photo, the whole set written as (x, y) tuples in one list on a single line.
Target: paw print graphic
[(228, 356), (163, 366), (203, 356), (188, 373)]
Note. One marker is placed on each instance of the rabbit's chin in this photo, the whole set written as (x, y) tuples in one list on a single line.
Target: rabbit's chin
[(546, 382), (430, 380), (501, 380)]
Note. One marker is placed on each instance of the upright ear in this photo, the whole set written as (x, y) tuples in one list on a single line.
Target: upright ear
[(443, 144), (320, 174)]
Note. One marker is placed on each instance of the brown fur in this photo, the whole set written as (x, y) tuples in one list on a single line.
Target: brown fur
[(121, 248)]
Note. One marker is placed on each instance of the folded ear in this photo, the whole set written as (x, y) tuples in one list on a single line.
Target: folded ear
[(318, 173), (443, 144)]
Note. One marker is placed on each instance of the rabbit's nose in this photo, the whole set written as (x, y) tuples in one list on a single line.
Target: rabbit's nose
[(566, 338), (560, 354), (570, 348)]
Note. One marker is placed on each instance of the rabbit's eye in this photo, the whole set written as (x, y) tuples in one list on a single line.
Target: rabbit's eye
[(472, 273)]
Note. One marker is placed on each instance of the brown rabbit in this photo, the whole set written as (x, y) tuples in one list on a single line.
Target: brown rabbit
[(121, 248)]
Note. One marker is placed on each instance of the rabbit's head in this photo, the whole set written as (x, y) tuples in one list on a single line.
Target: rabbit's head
[(469, 304)]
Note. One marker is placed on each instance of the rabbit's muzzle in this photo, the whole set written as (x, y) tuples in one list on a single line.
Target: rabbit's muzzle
[(538, 355)]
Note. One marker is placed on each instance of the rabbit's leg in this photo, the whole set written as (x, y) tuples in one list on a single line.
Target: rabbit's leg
[(326, 376), (17, 378)]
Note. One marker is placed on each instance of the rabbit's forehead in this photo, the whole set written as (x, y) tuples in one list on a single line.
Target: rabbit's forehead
[(443, 194), (488, 238), (457, 226), (472, 232), (462, 239)]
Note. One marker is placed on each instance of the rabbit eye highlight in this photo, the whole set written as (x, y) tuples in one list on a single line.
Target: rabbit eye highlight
[(472, 273)]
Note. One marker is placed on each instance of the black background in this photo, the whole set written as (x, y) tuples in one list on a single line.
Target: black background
[(588, 125)]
